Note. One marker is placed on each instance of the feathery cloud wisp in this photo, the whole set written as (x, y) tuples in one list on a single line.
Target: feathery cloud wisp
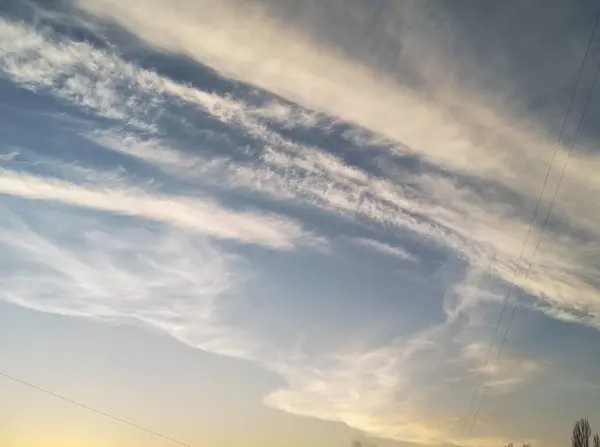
[(474, 159)]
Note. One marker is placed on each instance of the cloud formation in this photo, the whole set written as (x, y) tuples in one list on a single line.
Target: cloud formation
[(396, 252), (202, 215), (138, 273), (468, 202)]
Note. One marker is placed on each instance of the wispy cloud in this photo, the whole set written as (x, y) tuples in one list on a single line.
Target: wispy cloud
[(480, 175), (202, 215), (139, 273), (178, 282), (455, 128), (381, 247), (502, 374), (392, 391)]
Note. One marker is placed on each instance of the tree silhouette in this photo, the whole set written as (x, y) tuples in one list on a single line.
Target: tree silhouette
[(580, 438), (581, 433)]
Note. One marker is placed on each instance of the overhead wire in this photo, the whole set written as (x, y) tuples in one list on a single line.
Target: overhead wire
[(535, 212), (92, 409), (526, 276)]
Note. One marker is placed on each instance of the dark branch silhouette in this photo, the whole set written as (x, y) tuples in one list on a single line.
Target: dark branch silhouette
[(580, 438), (581, 433)]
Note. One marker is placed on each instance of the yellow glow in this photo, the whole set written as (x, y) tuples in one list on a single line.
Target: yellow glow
[(56, 441), (79, 441)]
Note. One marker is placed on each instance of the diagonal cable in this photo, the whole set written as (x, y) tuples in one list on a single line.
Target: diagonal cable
[(522, 288), (92, 409), (535, 212)]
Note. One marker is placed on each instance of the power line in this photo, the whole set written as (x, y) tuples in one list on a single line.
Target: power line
[(512, 316), (535, 212), (92, 409)]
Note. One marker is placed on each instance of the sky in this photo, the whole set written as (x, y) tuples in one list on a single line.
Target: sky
[(268, 222)]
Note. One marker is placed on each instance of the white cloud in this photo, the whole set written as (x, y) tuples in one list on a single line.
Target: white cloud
[(76, 264), (504, 373), (488, 234), (379, 391), (202, 215), (464, 221), (73, 263), (381, 247), (401, 390), (449, 125)]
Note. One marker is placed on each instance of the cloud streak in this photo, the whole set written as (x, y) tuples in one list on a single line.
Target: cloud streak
[(396, 252), (469, 200), (202, 215), (142, 274)]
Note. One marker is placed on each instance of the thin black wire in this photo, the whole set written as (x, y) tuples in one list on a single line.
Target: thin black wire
[(92, 409), (514, 310), (535, 212)]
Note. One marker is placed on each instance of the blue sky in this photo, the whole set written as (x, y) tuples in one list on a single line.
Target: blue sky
[(277, 222)]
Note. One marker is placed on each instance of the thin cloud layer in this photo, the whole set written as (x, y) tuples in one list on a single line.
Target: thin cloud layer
[(396, 252), (454, 129), (466, 206), (139, 273), (205, 216)]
